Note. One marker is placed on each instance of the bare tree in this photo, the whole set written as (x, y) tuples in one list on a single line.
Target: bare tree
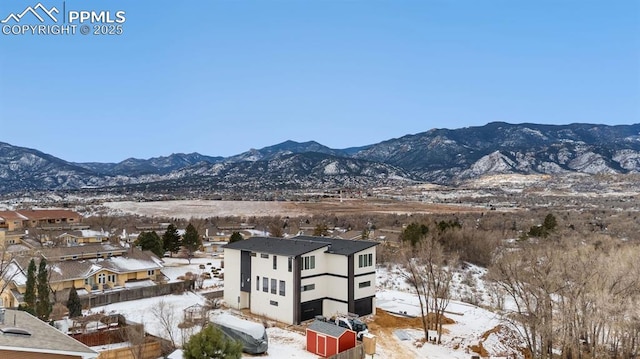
[(135, 335), (427, 272), (8, 270), (165, 314)]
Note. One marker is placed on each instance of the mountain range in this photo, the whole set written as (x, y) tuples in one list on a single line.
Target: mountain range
[(444, 156)]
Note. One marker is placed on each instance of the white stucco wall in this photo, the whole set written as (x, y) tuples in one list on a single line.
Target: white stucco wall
[(261, 301), (367, 291), (367, 269), (232, 279)]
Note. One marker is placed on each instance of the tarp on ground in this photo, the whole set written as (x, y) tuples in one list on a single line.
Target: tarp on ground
[(252, 335)]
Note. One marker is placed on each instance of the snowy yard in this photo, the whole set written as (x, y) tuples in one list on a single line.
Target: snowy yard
[(472, 324)]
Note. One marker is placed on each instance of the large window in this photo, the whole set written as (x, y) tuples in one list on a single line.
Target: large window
[(282, 287), (310, 262), (111, 278), (101, 278), (265, 284), (274, 286), (365, 260)]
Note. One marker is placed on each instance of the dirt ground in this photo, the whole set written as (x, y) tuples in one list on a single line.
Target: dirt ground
[(204, 209), (383, 326)]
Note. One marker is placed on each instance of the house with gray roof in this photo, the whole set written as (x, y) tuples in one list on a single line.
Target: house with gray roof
[(293, 280), (89, 268)]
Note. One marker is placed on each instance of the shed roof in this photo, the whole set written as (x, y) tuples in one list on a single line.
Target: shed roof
[(329, 329)]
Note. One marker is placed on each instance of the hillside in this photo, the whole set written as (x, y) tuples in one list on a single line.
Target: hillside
[(441, 156)]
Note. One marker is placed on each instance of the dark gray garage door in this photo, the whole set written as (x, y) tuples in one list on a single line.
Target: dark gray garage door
[(308, 310), (363, 306)]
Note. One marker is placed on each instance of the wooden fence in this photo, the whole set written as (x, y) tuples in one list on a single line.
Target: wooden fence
[(98, 299), (150, 350), (356, 352)]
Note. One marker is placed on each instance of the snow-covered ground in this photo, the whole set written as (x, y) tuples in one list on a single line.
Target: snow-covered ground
[(473, 325)]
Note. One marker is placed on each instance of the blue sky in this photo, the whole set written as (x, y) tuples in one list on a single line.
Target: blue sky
[(221, 77)]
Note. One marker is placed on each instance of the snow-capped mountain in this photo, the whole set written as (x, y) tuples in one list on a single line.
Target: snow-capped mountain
[(438, 155)]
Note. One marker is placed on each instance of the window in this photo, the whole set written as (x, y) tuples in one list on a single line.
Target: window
[(101, 278), (308, 287), (290, 264), (257, 282), (265, 256), (111, 278), (265, 284), (310, 262), (253, 254), (274, 285), (364, 284), (151, 272), (273, 302), (275, 262), (365, 260), (282, 287)]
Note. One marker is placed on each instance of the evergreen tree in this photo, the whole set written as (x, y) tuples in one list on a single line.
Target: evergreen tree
[(43, 305), (321, 230), (150, 241), (211, 343), (414, 233), (30, 292), (73, 304), (235, 236), (191, 240), (171, 240), (550, 222)]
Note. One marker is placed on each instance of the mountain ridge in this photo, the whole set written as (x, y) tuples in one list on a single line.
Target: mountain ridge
[(439, 155)]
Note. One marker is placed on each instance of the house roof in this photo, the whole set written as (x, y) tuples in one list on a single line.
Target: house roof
[(343, 247), (329, 329), (278, 246), (37, 214), (12, 215), (59, 252), (43, 339), (133, 261)]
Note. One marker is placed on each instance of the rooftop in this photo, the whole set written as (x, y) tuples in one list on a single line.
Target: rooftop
[(327, 328), (38, 214), (341, 246), (278, 246), (43, 337), (301, 245), (56, 253)]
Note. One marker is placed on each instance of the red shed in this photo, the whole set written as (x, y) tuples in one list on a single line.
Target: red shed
[(326, 339)]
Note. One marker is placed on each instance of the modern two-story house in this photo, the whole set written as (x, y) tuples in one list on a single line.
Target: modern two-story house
[(293, 280)]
